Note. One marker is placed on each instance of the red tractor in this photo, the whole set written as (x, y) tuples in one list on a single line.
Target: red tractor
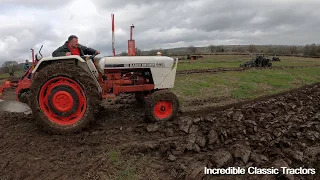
[(64, 93)]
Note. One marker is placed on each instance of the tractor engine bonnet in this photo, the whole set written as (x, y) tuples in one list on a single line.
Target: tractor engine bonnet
[(129, 62)]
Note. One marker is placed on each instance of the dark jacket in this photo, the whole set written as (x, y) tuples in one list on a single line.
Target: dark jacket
[(26, 66), (62, 50)]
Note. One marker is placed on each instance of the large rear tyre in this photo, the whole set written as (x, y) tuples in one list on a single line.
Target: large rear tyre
[(64, 98), (161, 105)]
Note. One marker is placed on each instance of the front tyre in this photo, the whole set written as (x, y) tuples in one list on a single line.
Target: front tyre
[(161, 105), (64, 98)]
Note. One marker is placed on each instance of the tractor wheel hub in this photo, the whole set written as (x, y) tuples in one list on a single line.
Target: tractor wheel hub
[(62, 101), (163, 109)]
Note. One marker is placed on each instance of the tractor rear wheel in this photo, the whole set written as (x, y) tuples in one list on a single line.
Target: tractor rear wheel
[(64, 98), (161, 105)]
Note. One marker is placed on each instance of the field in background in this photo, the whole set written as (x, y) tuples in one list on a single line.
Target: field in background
[(233, 61), (221, 88), (230, 87)]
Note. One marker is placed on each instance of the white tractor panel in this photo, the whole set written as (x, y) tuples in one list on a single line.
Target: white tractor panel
[(161, 67), (125, 62)]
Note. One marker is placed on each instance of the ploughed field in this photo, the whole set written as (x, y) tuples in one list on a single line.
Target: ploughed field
[(221, 124)]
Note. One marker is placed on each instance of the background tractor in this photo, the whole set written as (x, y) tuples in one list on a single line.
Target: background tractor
[(193, 57), (275, 58), (258, 61)]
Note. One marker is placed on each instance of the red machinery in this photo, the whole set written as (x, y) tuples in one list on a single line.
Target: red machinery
[(131, 44), (21, 84), (113, 37)]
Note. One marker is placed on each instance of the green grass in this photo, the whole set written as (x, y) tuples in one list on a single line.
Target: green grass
[(243, 85), (233, 61), (128, 167), (121, 168)]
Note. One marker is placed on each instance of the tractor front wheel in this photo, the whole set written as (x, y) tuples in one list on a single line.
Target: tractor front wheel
[(64, 98), (161, 105)]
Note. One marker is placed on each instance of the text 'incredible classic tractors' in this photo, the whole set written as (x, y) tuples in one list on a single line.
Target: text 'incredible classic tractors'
[(66, 92)]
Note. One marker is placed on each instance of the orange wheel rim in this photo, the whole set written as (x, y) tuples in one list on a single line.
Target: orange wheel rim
[(163, 109), (63, 101)]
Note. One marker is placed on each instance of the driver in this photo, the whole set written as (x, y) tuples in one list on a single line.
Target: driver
[(72, 47)]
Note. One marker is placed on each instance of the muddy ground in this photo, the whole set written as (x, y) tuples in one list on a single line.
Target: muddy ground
[(278, 131)]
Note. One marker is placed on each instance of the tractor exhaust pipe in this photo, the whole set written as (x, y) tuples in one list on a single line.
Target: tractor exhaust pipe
[(113, 37)]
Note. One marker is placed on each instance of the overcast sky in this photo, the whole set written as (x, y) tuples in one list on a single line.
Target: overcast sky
[(26, 24)]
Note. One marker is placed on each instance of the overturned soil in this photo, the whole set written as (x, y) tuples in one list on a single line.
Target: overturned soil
[(279, 131)]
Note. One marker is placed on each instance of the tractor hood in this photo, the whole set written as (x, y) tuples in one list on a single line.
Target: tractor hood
[(126, 62)]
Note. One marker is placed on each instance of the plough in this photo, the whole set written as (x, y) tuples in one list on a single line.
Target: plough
[(21, 83)]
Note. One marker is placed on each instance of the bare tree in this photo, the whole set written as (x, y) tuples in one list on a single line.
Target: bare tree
[(313, 50), (270, 50), (252, 48), (7, 64), (211, 48), (306, 50), (237, 49), (138, 52), (192, 49), (164, 52), (124, 53), (153, 52), (220, 49), (293, 49)]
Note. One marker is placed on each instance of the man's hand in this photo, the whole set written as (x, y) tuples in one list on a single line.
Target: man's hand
[(68, 54), (97, 52)]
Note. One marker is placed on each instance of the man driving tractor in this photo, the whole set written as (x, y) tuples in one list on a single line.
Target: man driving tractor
[(72, 47)]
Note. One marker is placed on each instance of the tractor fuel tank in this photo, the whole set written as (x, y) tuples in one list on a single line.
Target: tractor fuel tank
[(131, 62)]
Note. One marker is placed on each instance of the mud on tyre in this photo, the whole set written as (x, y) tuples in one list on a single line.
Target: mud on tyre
[(161, 105), (140, 97), (64, 98)]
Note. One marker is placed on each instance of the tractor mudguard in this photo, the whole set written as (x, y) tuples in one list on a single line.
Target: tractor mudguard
[(87, 65)]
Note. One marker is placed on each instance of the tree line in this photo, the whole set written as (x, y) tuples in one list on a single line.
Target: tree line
[(309, 50), (15, 65)]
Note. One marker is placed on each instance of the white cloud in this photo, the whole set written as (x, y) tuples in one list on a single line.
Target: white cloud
[(27, 24)]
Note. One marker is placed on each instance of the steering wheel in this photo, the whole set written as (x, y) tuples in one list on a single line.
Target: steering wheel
[(93, 56), (90, 57)]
